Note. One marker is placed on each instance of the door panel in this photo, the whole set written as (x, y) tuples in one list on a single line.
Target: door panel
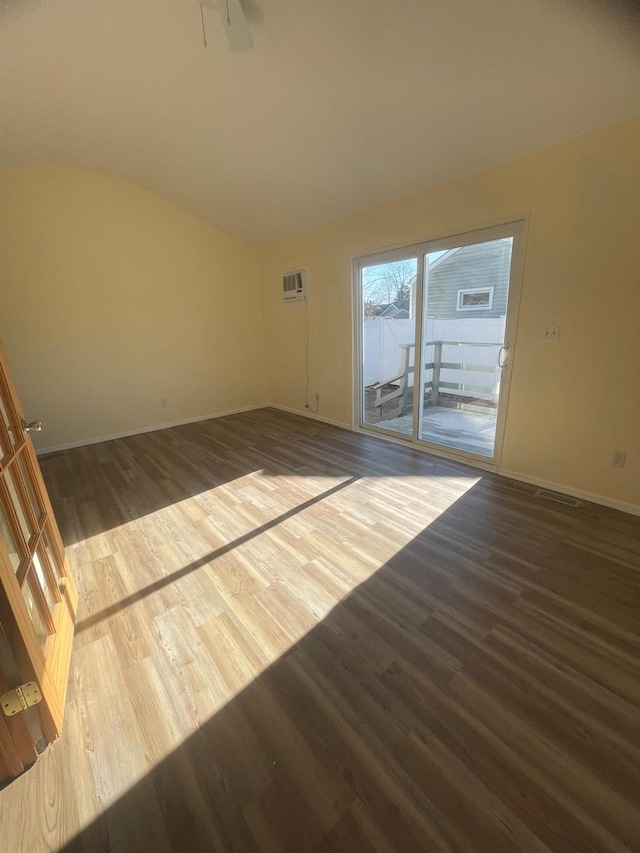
[(466, 291), (433, 352), (388, 329), (37, 593)]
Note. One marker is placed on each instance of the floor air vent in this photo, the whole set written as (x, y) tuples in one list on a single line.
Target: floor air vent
[(557, 497)]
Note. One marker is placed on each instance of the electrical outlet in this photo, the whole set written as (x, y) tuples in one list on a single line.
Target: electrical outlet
[(164, 402), (618, 458), (551, 334)]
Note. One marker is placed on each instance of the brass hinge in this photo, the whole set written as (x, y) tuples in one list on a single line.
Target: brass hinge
[(20, 698)]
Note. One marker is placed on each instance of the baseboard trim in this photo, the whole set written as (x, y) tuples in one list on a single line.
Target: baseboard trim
[(623, 506), (56, 448), (312, 415)]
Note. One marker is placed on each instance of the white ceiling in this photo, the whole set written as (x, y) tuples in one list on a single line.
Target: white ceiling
[(341, 104)]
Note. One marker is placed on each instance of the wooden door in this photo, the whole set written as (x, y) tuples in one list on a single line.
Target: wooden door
[(37, 593)]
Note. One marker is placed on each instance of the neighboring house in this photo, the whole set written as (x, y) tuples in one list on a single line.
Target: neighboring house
[(471, 281), (399, 310)]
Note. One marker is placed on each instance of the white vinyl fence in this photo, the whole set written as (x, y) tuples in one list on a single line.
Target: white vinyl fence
[(382, 353)]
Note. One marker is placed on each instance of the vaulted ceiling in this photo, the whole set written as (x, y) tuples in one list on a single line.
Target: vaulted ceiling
[(340, 105)]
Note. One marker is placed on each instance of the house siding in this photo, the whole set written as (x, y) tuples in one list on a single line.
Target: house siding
[(477, 266)]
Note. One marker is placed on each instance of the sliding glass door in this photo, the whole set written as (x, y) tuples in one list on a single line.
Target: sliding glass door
[(388, 309), (454, 301)]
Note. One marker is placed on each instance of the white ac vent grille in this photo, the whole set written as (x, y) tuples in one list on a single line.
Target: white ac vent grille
[(294, 286), (558, 497)]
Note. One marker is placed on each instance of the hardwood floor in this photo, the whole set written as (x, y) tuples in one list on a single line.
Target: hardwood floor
[(295, 638)]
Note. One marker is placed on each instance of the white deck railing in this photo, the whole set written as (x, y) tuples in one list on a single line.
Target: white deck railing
[(471, 379)]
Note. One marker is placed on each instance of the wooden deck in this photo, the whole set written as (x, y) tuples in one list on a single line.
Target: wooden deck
[(296, 638), (458, 429)]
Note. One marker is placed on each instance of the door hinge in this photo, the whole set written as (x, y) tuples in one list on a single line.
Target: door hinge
[(20, 698)]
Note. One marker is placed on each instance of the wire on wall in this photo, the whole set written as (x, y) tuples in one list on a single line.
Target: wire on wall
[(306, 361), (204, 31)]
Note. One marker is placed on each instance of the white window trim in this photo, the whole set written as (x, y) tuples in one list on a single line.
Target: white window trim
[(460, 307)]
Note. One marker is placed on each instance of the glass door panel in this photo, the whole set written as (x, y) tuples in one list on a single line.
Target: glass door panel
[(4, 418), (18, 499), (10, 424), (6, 439), (53, 554), (464, 319), (34, 612), (388, 334), (46, 578), (15, 554)]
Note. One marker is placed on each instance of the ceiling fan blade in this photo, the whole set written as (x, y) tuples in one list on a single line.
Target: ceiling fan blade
[(235, 25)]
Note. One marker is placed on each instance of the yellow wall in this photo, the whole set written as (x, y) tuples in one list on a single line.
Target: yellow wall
[(111, 298), (573, 402)]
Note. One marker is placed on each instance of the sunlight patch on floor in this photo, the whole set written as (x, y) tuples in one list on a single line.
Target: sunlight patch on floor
[(184, 608)]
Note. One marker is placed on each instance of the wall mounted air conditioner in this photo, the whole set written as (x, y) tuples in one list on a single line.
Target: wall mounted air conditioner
[(294, 287)]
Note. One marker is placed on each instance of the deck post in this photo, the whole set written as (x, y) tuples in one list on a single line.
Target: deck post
[(406, 357), (435, 383)]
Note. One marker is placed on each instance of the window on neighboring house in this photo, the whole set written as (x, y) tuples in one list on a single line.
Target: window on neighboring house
[(475, 299)]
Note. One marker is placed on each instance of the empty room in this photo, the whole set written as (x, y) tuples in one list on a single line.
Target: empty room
[(320, 426)]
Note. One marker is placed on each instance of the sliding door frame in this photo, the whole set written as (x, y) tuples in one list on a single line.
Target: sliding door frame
[(517, 228)]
